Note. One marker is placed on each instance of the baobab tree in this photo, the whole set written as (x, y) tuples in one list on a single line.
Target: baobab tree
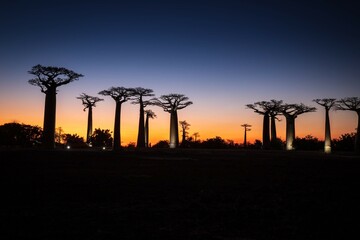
[(138, 94), (351, 104), (120, 95), (247, 127), (89, 102), (184, 127), (274, 107), (327, 103), (263, 108), (291, 112), (171, 103), (149, 114), (196, 136), (49, 78)]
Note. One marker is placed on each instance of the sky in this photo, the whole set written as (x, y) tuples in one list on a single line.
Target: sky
[(221, 54)]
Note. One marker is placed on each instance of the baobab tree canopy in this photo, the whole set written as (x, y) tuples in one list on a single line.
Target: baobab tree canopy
[(119, 94), (52, 77), (172, 102), (89, 101)]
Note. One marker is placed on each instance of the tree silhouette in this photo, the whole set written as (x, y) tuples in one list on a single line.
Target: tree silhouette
[(149, 114), (275, 107), (196, 136), (171, 103), (351, 104), (120, 95), (89, 102), (291, 112), (246, 129), (138, 94), (184, 127), (49, 79), (263, 108), (327, 103)]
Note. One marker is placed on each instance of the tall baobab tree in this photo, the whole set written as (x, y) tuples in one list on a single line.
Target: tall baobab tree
[(89, 102), (149, 114), (263, 108), (327, 103), (184, 127), (171, 103), (291, 112), (120, 95), (49, 78), (352, 104), (138, 94), (274, 106), (247, 127)]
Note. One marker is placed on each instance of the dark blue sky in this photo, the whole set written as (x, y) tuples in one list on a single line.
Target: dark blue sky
[(222, 54)]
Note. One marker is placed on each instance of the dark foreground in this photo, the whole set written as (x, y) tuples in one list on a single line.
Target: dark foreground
[(192, 194)]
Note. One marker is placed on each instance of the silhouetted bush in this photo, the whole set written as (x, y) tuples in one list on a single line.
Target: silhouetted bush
[(216, 142), (101, 138), (256, 145), (346, 142), (308, 143), (16, 134), (277, 144), (74, 141), (162, 144)]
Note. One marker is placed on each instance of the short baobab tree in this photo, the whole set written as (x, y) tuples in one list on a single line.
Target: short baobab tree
[(247, 128), (184, 127), (138, 94), (196, 136), (263, 108), (120, 95), (327, 103), (171, 103), (291, 112), (351, 104), (49, 78), (149, 114), (89, 102)]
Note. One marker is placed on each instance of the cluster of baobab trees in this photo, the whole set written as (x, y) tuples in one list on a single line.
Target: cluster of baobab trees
[(273, 108), (49, 78)]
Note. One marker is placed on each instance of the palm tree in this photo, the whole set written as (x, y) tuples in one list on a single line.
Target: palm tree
[(327, 103), (149, 114), (120, 95), (351, 104), (291, 112), (89, 102), (171, 103), (138, 94), (49, 79)]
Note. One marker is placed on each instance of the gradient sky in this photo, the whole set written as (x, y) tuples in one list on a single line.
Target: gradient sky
[(221, 54)]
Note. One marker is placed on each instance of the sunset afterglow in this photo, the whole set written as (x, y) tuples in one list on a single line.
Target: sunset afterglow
[(222, 55)]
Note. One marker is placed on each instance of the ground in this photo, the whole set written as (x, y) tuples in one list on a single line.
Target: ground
[(178, 194)]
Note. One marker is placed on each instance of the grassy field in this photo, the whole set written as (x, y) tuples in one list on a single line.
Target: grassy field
[(180, 194)]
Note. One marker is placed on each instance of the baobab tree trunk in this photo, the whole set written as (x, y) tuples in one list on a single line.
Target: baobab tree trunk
[(174, 131), (141, 132), (245, 143), (266, 132), (89, 126), (147, 131), (327, 142), (273, 129), (357, 137), (117, 136), (290, 132), (49, 118)]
